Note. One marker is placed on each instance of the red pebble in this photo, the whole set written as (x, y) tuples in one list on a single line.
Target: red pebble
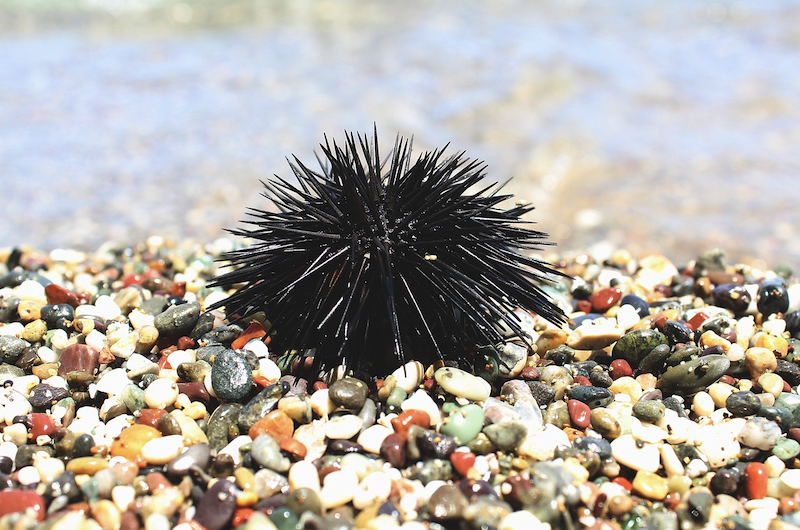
[(163, 363), (620, 368), (625, 483), (755, 485), (697, 320), (403, 422), (241, 516), (132, 279), (579, 413), (584, 306), (530, 373), (40, 424), (462, 461), (659, 321), (177, 289), (429, 384), (319, 385), (728, 380), (606, 298), (184, 343), (150, 417), (254, 331), (581, 380), (13, 501), (58, 295)]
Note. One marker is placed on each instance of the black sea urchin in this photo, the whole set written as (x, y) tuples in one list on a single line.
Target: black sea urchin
[(371, 263)]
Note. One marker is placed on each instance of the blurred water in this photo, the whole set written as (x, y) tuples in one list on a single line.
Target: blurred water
[(650, 125)]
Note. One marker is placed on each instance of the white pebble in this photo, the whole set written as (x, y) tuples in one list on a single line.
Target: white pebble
[(372, 437), (115, 331), (718, 444), (28, 475), (735, 353), (233, 446), (160, 451), (268, 369), (258, 347), (627, 317), (791, 479), (107, 308), (321, 403), (14, 404), (702, 404), (140, 364), (462, 384), (123, 496), (213, 298), (113, 381), (421, 400), (338, 488), (96, 340), (161, 393), (31, 290), (303, 474), (373, 489), (59, 340), (592, 336), (24, 384), (139, 319), (13, 329), (179, 357), (46, 355), (343, 427), (126, 345), (521, 519), (409, 376), (16, 433), (635, 454), (49, 468)]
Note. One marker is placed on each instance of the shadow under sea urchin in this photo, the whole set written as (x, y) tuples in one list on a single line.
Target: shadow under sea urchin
[(371, 262)]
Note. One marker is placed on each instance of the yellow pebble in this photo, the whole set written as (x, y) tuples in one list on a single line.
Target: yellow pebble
[(246, 498), (778, 345)]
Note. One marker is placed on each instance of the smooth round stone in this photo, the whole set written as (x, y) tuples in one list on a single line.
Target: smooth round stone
[(78, 357), (160, 451), (161, 393), (791, 479), (462, 384), (759, 360), (409, 376), (86, 465), (579, 413), (506, 436), (396, 398), (393, 449), (650, 411), (217, 505), (635, 345), (348, 393), (696, 374), (402, 423), (343, 427), (732, 296), (177, 320), (756, 480), (718, 444), (773, 297), (512, 358), (605, 423), (592, 396), (231, 376), (338, 488), (593, 336), (786, 449), (604, 299), (14, 501), (635, 454), (447, 503), (422, 401), (463, 423), (650, 485), (743, 403), (276, 423), (132, 440), (223, 425), (266, 451), (373, 489), (760, 433), (298, 408), (198, 455), (304, 474), (372, 438), (771, 383), (301, 500), (558, 378)]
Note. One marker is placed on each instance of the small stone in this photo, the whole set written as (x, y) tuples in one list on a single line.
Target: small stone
[(393, 449), (651, 411), (635, 454), (339, 488), (371, 438), (177, 320), (732, 296), (132, 440), (78, 357), (231, 376), (276, 423), (760, 433), (786, 449), (373, 489), (756, 480), (14, 501), (605, 423), (261, 405), (348, 393), (635, 345), (650, 485), (743, 403), (462, 384), (161, 393), (409, 376), (579, 413), (759, 360), (696, 374), (593, 336), (447, 503), (266, 451), (343, 427), (217, 505), (160, 451), (463, 423), (198, 455), (506, 436)]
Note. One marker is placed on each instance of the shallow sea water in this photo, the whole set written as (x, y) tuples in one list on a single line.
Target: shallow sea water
[(649, 125)]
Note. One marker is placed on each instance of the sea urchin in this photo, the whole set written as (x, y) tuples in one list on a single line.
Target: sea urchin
[(373, 262)]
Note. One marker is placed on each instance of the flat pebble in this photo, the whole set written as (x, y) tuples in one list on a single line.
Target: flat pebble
[(160, 451), (462, 384)]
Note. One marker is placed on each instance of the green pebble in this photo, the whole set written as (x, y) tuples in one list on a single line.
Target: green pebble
[(284, 519), (463, 424), (396, 397), (635, 345), (133, 397), (481, 445), (507, 435), (650, 411), (786, 449)]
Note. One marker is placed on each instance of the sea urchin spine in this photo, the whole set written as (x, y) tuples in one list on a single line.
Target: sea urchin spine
[(370, 263)]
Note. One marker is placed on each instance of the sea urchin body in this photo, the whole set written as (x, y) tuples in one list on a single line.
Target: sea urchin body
[(373, 262)]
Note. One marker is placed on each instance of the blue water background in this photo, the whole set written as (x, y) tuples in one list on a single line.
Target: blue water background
[(649, 125)]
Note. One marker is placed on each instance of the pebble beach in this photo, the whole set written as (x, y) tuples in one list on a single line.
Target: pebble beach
[(669, 401)]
